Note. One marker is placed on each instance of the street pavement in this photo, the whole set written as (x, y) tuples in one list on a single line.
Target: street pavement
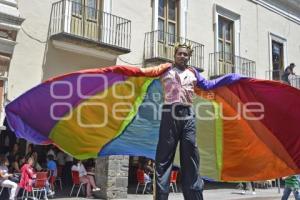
[(215, 194)]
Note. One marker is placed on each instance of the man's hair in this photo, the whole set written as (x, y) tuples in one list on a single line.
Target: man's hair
[(292, 65), (184, 45)]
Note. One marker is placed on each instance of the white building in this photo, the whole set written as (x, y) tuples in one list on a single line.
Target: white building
[(10, 24), (258, 38)]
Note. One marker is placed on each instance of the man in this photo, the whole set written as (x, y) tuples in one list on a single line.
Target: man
[(287, 72), (4, 179), (291, 185), (178, 124)]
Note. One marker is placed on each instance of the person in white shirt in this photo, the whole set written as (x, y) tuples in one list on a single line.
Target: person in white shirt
[(85, 178), (4, 179), (51, 151)]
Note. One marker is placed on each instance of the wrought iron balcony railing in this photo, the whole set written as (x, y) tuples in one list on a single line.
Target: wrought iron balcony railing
[(274, 75), (160, 46), (221, 63), (87, 23), (294, 80)]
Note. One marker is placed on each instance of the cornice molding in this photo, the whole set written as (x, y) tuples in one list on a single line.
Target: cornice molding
[(10, 19), (278, 10)]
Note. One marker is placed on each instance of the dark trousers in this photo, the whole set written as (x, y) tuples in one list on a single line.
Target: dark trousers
[(178, 124)]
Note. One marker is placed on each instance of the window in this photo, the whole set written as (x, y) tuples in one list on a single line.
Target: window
[(167, 20), (86, 18), (91, 9), (277, 52), (277, 59), (87, 6), (225, 39), (76, 7)]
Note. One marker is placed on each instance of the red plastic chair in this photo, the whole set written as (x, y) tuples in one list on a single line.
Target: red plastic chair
[(173, 180), (141, 180), (39, 185), (76, 182), (53, 179)]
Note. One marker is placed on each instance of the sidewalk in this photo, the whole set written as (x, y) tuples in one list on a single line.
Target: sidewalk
[(214, 194)]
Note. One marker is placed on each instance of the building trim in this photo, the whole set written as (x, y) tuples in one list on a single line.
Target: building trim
[(4, 102), (277, 10), (11, 18), (155, 15), (107, 6), (10, 27), (279, 39), (7, 46), (84, 50), (9, 3), (183, 11)]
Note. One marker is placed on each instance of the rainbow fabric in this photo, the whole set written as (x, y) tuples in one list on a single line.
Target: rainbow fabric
[(116, 111)]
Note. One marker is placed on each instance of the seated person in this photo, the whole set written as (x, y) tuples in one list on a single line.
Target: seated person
[(11, 156), (14, 166), (148, 167), (28, 177), (147, 178), (36, 164), (51, 165), (4, 178), (52, 168), (84, 178), (90, 167)]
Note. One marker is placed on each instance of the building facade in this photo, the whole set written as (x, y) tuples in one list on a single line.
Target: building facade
[(10, 24), (256, 38)]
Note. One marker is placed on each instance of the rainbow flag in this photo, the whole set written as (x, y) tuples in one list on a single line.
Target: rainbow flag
[(247, 129)]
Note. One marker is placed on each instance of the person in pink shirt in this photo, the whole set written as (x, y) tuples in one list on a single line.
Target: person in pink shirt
[(27, 175)]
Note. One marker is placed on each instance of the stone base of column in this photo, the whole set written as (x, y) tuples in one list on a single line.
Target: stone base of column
[(112, 177)]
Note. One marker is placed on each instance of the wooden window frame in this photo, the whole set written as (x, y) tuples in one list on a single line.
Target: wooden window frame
[(77, 14), (225, 41), (97, 8), (166, 21)]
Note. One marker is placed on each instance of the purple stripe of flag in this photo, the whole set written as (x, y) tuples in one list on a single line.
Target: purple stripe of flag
[(60, 96)]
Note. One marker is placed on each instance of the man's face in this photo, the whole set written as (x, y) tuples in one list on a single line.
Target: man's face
[(182, 57)]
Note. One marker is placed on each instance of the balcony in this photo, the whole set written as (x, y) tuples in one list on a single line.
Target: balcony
[(221, 63), (76, 27), (277, 76), (159, 47)]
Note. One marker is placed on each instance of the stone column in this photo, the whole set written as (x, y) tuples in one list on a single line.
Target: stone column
[(112, 176)]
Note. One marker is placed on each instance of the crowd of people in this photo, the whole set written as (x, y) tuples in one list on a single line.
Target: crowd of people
[(18, 172)]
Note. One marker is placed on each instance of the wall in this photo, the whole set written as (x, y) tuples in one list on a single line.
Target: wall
[(256, 23), (25, 68), (140, 14)]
